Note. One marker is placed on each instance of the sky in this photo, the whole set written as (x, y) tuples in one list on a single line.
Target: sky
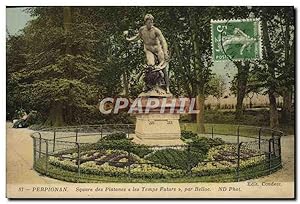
[(16, 20)]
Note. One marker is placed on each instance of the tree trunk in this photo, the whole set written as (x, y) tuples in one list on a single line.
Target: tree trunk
[(286, 112), (269, 56), (239, 105), (193, 117), (274, 123), (200, 86), (200, 116), (55, 117), (56, 114), (242, 78)]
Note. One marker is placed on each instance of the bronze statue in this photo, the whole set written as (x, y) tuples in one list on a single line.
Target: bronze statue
[(156, 50)]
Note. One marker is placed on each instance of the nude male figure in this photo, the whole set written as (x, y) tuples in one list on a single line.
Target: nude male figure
[(155, 45)]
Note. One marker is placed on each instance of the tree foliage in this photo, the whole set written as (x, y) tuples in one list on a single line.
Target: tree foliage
[(67, 58)]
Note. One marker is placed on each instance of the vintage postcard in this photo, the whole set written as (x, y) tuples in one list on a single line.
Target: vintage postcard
[(150, 102)]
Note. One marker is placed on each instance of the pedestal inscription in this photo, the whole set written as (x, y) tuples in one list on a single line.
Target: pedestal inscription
[(157, 129)]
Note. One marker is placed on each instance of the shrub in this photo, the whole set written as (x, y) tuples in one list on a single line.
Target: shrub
[(212, 142), (200, 145), (177, 159), (37, 127), (184, 159), (203, 144), (115, 136), (141, 150), (188, 134), (124, 144)]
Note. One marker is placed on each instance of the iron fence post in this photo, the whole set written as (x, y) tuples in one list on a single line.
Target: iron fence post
[(189, 170), (212, 131), (34, 151), (238, 135), (76, 132), (279, 148), (259, 137), (269, 155), (54, 138), (129, 170), (78, 160), (101, 133), (273, 143), (40, 145), (238, 162), (46, 141)]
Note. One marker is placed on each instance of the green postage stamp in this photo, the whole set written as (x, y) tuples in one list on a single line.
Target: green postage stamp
[(236, 39)]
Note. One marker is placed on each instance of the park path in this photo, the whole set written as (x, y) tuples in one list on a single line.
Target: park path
[(286, 174), (19, 159)]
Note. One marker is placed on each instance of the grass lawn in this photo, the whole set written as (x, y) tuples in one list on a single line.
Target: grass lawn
[(229, 129), (225, 120)]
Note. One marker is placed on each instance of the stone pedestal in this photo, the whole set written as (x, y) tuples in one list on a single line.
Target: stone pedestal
[(157, 129)]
